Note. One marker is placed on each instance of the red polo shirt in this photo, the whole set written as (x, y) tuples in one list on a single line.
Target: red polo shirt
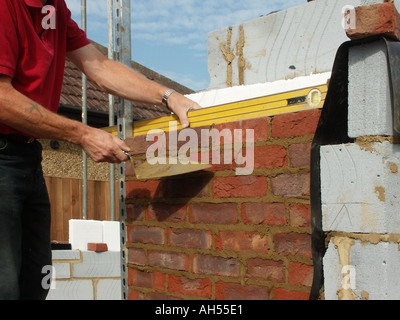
[(33, 48)]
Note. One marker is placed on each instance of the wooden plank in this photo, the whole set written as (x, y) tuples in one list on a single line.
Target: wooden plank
[(76, 199), (57, 202), (65, 196), (65, 210), (90, 200)]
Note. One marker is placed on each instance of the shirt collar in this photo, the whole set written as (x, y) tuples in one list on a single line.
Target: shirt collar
[(34, 3)]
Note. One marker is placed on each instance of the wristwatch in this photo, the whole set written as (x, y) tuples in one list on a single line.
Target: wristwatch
[(165, 97)]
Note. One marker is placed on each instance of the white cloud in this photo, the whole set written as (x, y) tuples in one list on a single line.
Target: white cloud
[(157, 24)]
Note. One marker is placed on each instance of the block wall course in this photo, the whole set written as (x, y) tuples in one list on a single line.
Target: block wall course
[(360, 187), (72, 290), (86, 275), (362, 269), (370, 105), (109, 289), (279, 45), (98, 265)]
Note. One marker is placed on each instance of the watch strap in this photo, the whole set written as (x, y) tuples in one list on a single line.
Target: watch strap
[(165, 97)]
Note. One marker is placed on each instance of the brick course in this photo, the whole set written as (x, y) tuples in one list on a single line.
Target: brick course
[(217, 235)]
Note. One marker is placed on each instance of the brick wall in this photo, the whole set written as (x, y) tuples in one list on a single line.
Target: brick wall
[(216, 235)]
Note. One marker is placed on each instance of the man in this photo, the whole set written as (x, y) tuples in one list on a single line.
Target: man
[(32, 61)]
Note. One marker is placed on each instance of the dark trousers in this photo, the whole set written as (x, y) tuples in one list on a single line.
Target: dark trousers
[(25, 248)]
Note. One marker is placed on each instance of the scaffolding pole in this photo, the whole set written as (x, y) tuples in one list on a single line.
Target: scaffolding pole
[(84, 120), (125, 118), (111, 101)]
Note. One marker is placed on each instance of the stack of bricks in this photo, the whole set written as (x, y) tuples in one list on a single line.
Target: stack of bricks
[(216, 235), (360, 181)]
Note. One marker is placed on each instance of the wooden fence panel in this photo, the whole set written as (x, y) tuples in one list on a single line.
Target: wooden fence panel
[(66, 203)]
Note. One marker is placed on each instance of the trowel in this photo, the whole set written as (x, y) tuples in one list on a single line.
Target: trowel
[(146, 170)]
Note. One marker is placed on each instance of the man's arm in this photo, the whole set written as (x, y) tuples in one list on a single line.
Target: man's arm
[(29, 117), (120, 80)]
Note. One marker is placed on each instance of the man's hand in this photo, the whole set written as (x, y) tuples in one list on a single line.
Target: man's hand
[(181, 105), (102, 146)]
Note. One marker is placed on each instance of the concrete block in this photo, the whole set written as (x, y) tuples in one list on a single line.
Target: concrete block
[(111, 235), (299, 41), (66, 255), (370, 104), (72, 290), (98, 265), (355, 270), (109, 289), (81, 232), (62, 270), (360, 188)]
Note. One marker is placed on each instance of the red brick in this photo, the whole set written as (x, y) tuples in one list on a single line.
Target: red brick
[(154, 296), (167, 212), (220, 266), (134, 295), (192, 287), (196, 186), (300, 155), (272, 214), (270, 157), (129, 172), (373, 20), (294, 244), (97, 247), (214, 213), (190, 238), (217, 164), (296, 185), (233, 291), (144, 189), (169, 260), (242, 241), (219, 136), (259, 125), (300, 274), (137, 257), (296, 124), (138, 144), (300, 215), (188, 134), (131, 276), (266, 270), (147, 235), (284, 294), (136, 212), (155, 280), (240, 187)]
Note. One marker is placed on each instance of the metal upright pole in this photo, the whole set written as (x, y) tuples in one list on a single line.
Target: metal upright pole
[(111, 105), (125, 118), (84, 120)]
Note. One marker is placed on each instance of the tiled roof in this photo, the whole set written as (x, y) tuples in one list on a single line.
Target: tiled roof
[(97, 100)]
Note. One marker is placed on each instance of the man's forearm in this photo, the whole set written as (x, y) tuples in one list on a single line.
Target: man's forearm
[(32, 119), (128, 84), (116, 78), (120, 80)]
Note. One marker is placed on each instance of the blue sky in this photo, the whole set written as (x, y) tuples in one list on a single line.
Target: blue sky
[(170, 36)]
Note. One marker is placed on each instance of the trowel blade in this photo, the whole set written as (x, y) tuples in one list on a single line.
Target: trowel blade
[(145, 170)]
